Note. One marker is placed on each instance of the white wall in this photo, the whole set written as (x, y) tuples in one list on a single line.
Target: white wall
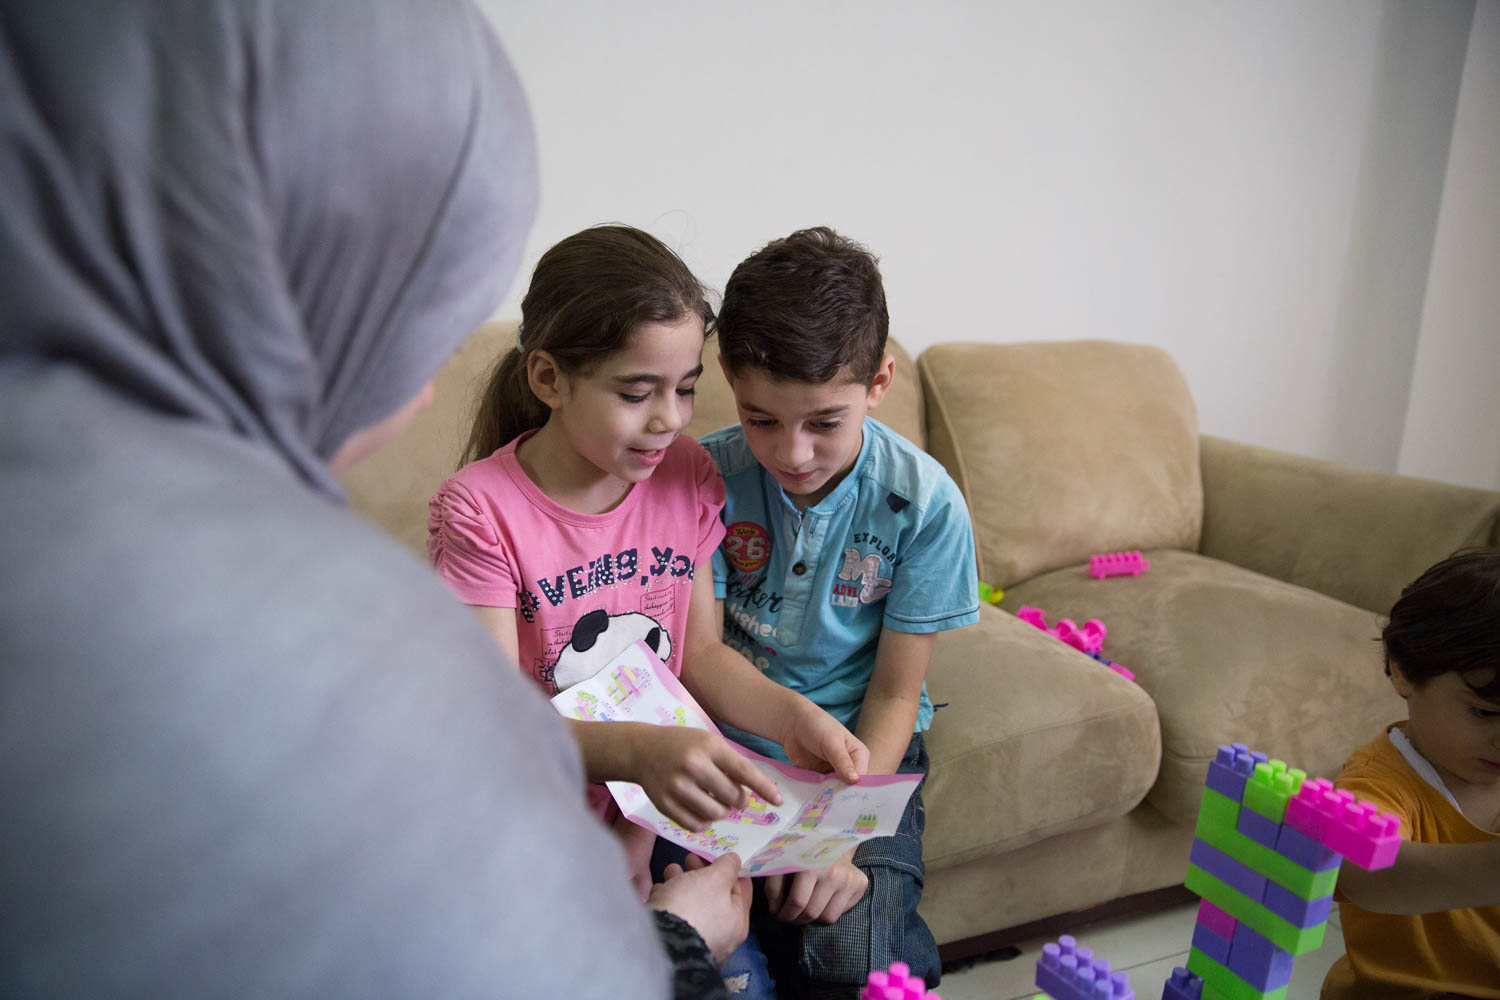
[(1453, 419), (1254, 186)]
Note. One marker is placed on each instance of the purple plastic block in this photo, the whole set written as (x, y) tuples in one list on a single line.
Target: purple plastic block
[(1216, 920), (1183, 985), (1227, 870), (1307, 852), (1069, 972), (1292, 908), (1258, 828), (1206, 941), (1257, 961), (1229, 770)]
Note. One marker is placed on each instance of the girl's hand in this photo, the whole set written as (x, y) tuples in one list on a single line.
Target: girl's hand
[(638, 843), (817, 741), (693, 776), (822, 896)]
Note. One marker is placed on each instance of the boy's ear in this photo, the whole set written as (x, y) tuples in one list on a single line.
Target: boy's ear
[(1399, 681), (546, 379), (884, 375)]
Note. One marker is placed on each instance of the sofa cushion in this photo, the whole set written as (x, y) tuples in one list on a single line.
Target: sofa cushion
[(1228, 654), (1065, 449), (1035, 740)]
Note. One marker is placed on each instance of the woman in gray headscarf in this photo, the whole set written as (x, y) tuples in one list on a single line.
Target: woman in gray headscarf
[(247, 746)]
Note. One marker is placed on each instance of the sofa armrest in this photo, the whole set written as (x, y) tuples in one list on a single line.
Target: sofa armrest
[(1353, 534)]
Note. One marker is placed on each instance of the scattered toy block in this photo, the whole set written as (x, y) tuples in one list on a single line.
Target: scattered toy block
[(1184, 984), (895, 983), (1069, 972), (990, 595), (1118, 564)]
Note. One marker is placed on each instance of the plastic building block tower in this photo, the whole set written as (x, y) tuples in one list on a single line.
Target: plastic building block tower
[(1265, 858), (1118, 564), (1067, 972), (1087, 638), (895, 983)]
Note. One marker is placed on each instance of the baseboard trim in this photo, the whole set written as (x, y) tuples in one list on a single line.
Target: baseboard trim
[(1065, 923)]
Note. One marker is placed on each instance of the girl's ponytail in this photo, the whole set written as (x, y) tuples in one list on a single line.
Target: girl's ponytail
[(586, 296), (507, 408)]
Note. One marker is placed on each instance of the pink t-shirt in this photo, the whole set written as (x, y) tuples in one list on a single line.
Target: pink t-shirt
[(584, 586)]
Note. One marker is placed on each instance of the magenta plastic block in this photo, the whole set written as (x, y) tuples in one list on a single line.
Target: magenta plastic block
[(1215, 947), (1257, 961), (1183, 985), (1258, 828), (896, 983), (1111, 664), (1032, 616), (1069, 972), (1294, 909), (1307, 852), (1227, 870), (1216, 920), (1118, 564), (1086, 638), (1334, 817)]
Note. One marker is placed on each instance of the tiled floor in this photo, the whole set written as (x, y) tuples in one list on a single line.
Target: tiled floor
[(1146, 947)]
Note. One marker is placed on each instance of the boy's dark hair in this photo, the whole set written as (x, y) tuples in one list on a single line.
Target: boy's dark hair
[(586, 295), (1448, 620), (804, 309)]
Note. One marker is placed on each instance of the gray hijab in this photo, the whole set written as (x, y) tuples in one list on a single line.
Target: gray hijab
[(249, 747), (273, 219)]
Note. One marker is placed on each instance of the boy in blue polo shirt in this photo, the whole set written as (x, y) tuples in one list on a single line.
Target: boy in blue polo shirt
[(848, 549)]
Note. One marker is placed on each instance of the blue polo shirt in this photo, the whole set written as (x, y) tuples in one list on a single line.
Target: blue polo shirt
[(806, 594)]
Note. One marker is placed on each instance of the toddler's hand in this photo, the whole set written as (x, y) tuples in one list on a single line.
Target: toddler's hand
[(695, 777), (822, 896), (817, 741)]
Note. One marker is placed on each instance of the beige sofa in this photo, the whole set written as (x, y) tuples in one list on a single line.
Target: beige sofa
[(1058, 785)]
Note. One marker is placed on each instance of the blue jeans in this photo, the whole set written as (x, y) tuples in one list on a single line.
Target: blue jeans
[(819, 961), (747, 964)]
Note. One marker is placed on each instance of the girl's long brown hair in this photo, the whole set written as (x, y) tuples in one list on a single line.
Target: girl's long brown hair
[(586, 295)]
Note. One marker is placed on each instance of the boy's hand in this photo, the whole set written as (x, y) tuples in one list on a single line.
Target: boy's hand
[(694, 777), (816, 741), (823, 895)]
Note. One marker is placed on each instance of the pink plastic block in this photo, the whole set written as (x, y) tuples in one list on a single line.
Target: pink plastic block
[(1118, 564), (1087, 638), (1216, 920), (1032, 616), (896, 983), (1335, 818)]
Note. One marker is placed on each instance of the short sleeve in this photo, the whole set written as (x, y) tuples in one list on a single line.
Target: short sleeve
[(936, 587), (710, 494), (465, 548)]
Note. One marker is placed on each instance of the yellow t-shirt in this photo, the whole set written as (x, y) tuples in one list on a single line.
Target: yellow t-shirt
[(1412, 956)]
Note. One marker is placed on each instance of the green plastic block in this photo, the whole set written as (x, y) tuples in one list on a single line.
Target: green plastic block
[(1283, 934), (1224, 982), (1270, 786), (1216, 821)]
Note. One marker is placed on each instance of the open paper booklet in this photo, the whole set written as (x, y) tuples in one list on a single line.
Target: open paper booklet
[(820, 816)]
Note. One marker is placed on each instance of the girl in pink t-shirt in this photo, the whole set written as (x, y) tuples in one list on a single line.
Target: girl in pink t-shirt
[(582, 518)]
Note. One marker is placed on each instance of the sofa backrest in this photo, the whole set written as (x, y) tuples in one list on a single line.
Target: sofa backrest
[(1065, 449), (392, 487)]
